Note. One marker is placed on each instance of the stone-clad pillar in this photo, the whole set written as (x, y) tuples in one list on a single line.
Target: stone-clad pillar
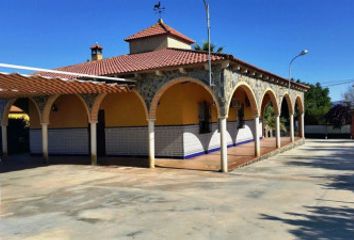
[(257, 137), (4, 139), (277, 129), (292, 137), (93, 141), (223, 145), (151, 139), (45, 141)]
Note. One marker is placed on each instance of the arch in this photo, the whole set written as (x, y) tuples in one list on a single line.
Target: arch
[(10, 102), (49, 104), (100, 98), (288, 100), (300, 103), (166, 86), (273, 99), (250, 95)]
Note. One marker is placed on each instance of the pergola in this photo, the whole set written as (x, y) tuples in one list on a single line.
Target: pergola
[(15, 85)]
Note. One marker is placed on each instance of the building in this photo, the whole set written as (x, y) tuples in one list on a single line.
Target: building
[(168, 110)]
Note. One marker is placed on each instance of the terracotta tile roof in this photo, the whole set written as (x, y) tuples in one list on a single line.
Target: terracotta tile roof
[(157, 29), (157, 60), (16, 85), (163, 58)]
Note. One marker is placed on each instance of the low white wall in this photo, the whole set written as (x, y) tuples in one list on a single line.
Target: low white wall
[(35, 139), (126, 141), (68, 141), (170, 141), (323, 129), (195, 143)]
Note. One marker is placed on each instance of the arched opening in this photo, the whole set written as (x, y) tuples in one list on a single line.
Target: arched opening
[(22, 118), (286, 111), (269, 113), (298, 111), (122, 125), (68, 132), (186, 119), (242, 111)]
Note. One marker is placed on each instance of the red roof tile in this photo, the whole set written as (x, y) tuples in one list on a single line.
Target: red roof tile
[(16, 85), (157, 29), (163, 58), (156, 60)]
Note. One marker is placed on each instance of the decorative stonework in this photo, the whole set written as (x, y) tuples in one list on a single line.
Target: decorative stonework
[(150, 84), (41, 101), (259, 87), (89, 100), (225, 81)]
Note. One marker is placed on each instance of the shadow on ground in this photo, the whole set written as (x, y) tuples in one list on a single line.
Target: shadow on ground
[(320, 223), (324, 222), (26, 161)]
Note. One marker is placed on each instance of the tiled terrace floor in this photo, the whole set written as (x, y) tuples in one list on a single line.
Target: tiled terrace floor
[(237, 156)]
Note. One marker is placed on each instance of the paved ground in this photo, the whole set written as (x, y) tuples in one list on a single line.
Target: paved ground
[(306, 193)]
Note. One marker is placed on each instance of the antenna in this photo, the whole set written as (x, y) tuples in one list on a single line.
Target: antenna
[(159, 9)]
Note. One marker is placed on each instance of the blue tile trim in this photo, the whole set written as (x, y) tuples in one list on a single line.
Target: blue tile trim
[(216, 149)]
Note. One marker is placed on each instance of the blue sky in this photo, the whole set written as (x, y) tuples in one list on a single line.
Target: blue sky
[(267, 33)]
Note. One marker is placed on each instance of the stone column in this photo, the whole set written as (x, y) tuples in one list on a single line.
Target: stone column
[(4, 139), (223, 145), (151, 138), (45, 141), (93, 140), (257, 137), (278, 138), (292, 138), (302, 125)]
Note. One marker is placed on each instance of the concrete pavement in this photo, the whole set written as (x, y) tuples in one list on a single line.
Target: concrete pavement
[(305, 193)]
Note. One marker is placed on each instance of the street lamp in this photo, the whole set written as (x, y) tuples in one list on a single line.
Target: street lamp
[(302, 53), (206, 6)]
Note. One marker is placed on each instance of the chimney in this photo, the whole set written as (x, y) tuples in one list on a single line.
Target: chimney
[(96, 52)]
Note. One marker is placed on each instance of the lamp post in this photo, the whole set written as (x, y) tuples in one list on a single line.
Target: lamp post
[(206, 6), (302, 53)]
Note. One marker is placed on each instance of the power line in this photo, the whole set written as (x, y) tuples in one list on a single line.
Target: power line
[(338, 83)]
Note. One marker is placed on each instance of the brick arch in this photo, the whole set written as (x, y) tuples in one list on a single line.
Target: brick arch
[(99, 99), (288, 100), (6, 111), (48, 106), (298, 101), (168, 85), (273, 99), (250, 94)]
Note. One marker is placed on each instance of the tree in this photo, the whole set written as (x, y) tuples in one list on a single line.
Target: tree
[(339, 115), (349, 95), (317, 104), (205, 47), (269, 120)]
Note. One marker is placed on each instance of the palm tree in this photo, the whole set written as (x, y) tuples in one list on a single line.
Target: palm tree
[(269, 120), (205, 47)]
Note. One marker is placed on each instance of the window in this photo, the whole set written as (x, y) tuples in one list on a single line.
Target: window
[(204, 117)]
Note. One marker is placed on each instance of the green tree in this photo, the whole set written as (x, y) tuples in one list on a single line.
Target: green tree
[(339, 115), (349, 95), (269, 119), (317, 104), (204, 47)]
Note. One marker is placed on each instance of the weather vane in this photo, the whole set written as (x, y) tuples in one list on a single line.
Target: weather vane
[(159, 9)]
